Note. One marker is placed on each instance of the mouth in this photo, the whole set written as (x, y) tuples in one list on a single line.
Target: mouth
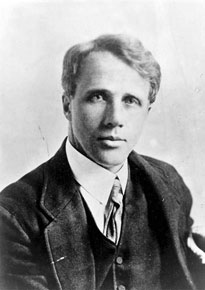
[(111, 141), (111, 138)]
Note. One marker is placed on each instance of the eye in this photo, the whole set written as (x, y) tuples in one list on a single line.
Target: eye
[(132, 100), (96, 97)]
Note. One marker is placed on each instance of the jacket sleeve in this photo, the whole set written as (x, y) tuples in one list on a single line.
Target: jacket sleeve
[(18, 270), (192, 243), (196, 259)]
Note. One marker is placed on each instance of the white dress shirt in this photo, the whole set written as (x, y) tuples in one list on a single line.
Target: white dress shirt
[(95, 182)]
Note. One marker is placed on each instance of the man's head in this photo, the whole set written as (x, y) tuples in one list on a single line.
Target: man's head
[(109, 85)]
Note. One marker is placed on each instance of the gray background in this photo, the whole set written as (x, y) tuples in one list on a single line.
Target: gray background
[(34, 37)]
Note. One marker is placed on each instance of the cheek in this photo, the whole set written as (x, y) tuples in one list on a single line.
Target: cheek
[(136, 125), (86, 120)]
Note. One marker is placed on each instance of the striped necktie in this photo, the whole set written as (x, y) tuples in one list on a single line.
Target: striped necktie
[(113, 213)]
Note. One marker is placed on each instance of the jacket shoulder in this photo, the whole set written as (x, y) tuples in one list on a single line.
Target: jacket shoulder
[(22, 198), (25, 185), (160, 167), (158, 170)]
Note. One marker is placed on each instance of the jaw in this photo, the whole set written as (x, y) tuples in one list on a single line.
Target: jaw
[(111, 159)]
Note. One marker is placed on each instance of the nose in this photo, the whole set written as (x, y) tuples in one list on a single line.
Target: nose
[(113, 116)]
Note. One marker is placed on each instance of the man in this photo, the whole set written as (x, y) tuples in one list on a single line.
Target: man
[(97, 215)]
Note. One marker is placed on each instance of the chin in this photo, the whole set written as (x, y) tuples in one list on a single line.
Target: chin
[(109, 163), (109, 159)]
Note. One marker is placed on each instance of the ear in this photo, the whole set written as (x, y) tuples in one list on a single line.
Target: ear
[(67, 106)]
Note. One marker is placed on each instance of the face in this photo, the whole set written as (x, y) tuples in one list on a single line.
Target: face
[(108, 110)]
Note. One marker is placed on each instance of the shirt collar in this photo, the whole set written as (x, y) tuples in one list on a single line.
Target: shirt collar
[(95, 179)]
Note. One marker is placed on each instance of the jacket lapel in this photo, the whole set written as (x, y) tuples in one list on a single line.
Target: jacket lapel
[(67, 235), (169, 203)]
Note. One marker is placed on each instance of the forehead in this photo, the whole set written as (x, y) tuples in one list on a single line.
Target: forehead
[(106, 70)]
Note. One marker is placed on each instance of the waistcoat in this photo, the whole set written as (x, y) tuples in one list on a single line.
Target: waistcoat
[(135, 262)]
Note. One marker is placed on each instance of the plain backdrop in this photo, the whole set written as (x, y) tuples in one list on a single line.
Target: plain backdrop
[(34, 37)]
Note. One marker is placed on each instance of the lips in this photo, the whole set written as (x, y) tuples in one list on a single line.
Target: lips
[(111, 138), (111, 142)]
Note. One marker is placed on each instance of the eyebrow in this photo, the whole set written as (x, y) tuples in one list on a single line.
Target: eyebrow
[(101, 91)]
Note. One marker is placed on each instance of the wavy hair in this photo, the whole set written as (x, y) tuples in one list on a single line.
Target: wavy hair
[(128, 49)]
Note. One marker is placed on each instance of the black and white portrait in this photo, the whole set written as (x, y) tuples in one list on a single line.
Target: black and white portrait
[(102, 140)]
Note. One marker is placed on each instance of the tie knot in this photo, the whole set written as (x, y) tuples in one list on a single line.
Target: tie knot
[(116, 192)]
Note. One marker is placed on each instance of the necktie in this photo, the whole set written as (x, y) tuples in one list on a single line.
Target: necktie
[(113, 213)]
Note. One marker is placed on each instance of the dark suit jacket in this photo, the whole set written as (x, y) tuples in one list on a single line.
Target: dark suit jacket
[(44, 241)]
